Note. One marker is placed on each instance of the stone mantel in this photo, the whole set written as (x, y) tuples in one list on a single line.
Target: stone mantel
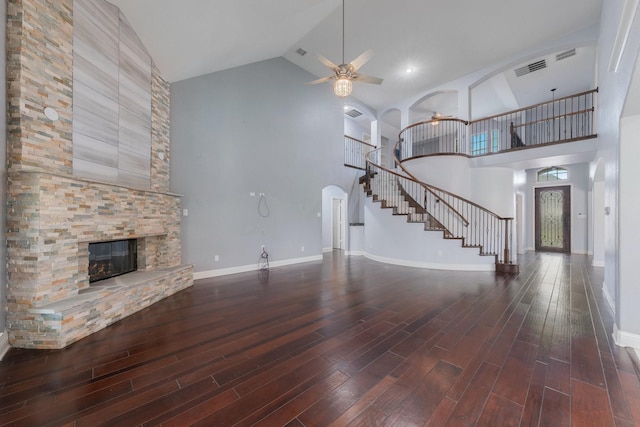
[(93, 181)]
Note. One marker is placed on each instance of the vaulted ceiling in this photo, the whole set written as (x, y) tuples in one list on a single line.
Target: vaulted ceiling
[(440, 40)]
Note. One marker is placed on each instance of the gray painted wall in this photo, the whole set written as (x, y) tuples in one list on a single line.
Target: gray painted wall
[(3, 169), (257, 128)]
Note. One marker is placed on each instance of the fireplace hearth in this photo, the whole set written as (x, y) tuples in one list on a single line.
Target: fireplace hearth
[(110, 259)]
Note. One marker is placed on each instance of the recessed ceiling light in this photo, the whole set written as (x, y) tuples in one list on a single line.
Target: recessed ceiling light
[(410, 70), (346, 107)]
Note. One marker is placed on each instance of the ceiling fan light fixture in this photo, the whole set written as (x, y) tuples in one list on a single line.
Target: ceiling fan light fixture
[(342, 87)]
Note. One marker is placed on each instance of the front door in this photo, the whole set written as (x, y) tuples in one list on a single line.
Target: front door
[(553, 219)]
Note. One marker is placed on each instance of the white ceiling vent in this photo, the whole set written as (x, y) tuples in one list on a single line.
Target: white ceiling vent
[(353, 113), (564, 55), (534, 66)]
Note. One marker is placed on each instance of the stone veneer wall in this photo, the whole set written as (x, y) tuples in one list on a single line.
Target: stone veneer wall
[(52, 215), (39, 74), (160, 131)]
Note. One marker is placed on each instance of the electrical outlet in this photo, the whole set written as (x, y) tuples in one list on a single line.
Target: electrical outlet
[(439, 252), (252, 194), (216, 258), (262, 248), (261, 194), (302, 249), (185, 212)]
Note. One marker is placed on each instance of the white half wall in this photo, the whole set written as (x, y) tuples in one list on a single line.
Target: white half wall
[(356, 240), (451, 173), (390, 238), (492, 188)]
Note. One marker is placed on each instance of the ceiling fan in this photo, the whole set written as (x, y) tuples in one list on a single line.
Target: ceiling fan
[(346, 74), (435, 118)]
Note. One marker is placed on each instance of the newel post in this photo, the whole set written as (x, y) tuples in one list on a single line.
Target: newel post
[(506, 240)]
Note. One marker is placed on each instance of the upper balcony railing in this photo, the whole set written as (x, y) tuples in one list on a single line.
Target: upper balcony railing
[(443, 135), (560, 120), (355, 152)]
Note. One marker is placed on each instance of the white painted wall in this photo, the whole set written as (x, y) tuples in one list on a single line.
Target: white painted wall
[(489, 187), (450, 173), (629, 290), (614, 83), (492, 188), (353, 129), (356, 240)]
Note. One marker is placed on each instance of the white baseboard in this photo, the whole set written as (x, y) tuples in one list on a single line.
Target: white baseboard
[(581, 252), (327, 249), (608, 298), (625, 339), (597, 263), (354, 253), (4, 344), (432, 266), (252, 267)]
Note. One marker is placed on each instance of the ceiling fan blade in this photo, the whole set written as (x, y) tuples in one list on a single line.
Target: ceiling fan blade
[(367, 79), (322, 80), (362, 59), (327, 62)]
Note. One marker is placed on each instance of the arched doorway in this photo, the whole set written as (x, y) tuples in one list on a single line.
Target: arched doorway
[(334, 219)]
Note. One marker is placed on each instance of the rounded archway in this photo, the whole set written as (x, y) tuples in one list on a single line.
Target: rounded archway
[(334, 218), (443, 103)]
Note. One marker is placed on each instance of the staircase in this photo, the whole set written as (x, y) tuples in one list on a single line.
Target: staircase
[(401, 202), (455, 218)]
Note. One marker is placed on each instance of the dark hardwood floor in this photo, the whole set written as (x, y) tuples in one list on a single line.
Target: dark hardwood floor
[(347, 341)]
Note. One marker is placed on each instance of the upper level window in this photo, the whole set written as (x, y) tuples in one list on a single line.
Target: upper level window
[(480, 142), (552, 174)]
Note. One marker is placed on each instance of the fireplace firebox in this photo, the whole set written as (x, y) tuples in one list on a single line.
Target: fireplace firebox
[(110, 259)]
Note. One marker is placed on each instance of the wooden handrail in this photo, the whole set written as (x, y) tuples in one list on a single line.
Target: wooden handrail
[(361, 142), (534, 106), (355, 152), (440, 189), (456, 137), (592, 109), (427, 187), (481, 229), (424, 122)]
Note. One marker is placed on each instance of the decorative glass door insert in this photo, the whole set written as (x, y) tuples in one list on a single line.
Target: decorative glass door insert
[(553, 230)]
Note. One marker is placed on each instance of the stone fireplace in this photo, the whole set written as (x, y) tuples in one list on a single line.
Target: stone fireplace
[(55, 211)]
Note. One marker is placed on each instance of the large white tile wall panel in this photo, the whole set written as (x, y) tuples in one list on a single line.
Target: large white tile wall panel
[(111, 96)]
